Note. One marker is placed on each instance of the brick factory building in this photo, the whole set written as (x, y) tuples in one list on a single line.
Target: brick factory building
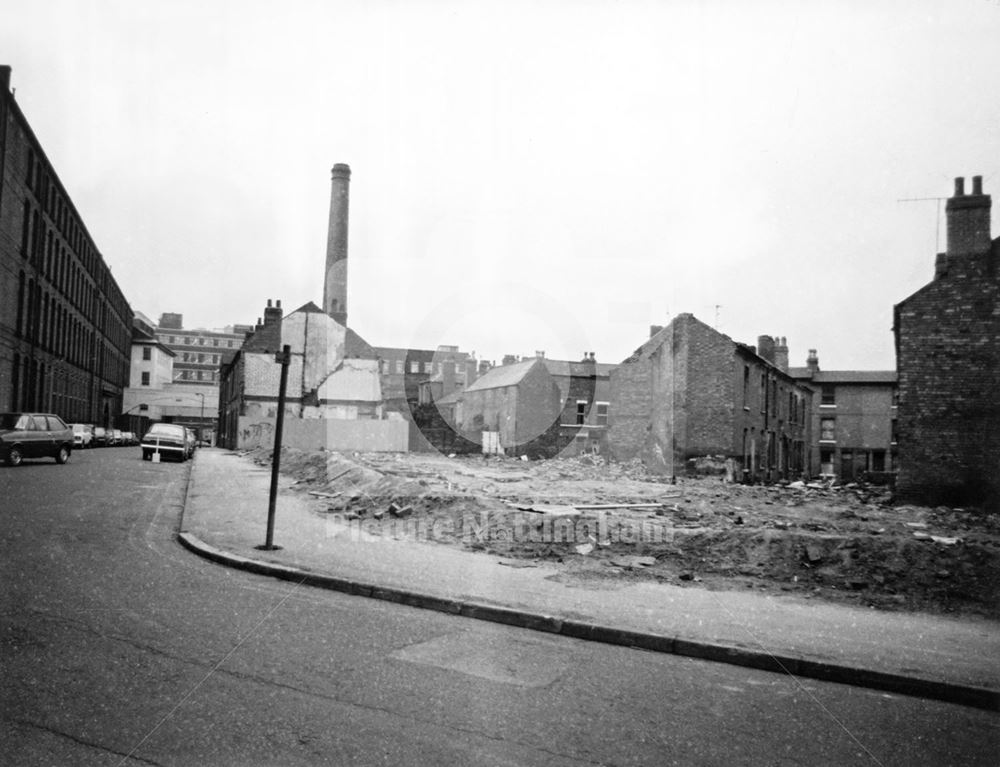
[(948, 361), (65, 326), (691, 393)]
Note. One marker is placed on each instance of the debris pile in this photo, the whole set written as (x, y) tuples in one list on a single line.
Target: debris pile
[(605, 520)]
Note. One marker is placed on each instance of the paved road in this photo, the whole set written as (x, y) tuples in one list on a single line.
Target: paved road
[(119, 647)]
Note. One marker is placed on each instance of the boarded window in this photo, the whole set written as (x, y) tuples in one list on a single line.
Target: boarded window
[(828, 429)]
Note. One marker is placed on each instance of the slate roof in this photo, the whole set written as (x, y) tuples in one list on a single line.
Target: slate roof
[(567, 367), (845, 376), (505, 375), (268, 338)]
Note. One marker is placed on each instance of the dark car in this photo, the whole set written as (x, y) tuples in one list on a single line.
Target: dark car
[(34, 435), (167, 440), (101, 436)]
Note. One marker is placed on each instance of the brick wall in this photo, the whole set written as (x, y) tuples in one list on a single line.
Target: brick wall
[(681, 396), (948, 359)]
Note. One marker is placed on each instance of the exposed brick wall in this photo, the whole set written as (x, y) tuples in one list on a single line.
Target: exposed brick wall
[(631, 403), (681, 396), (948, 358)]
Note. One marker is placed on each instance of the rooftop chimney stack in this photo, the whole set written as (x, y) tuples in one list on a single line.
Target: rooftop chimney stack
[(968, 220), (272, 314), (812, 361), (335, 284), (781, 354), (765, 348)]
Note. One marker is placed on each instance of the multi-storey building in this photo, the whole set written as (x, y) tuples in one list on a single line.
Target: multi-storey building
[(333, 396), (199, 353), (691, 392), (65, 326), (853, 421), (153, 394), (948, 360), (404, 371)]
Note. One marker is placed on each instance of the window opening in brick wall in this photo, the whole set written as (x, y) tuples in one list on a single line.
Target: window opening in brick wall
[(878, 460), (829, 395), (826, 462)]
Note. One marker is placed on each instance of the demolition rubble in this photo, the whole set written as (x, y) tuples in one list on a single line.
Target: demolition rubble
[(607, 522)]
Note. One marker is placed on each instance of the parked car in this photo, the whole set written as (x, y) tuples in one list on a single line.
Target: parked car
[(100, 437), (169, 440), (129, 438), (34, 435), (83, 435)]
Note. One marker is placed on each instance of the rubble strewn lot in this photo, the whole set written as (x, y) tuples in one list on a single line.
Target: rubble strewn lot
[(606, 522)]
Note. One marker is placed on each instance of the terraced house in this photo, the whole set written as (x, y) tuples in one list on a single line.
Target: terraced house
[(691, 393)]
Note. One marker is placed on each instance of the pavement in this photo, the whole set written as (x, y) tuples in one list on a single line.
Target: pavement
[(932, 656)]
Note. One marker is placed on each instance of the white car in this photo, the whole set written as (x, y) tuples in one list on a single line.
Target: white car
[(83, 435)]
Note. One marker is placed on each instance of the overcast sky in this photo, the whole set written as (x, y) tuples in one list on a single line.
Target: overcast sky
[(526, 175)]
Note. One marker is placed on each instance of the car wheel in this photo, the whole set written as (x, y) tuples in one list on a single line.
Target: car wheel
[(146, 456), (63, 455), (14, 457)]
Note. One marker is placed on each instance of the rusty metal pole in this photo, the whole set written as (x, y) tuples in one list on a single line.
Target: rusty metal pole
[(283, 357)]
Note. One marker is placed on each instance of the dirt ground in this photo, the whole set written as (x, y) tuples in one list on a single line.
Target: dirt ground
[(606, 521)]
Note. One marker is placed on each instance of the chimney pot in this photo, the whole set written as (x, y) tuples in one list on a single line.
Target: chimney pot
[(968, 220)]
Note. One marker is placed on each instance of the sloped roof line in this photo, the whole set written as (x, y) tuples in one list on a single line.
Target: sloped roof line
[(504, 375)]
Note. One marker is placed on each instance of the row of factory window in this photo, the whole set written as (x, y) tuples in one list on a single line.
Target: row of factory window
[(59, 210), (186, 375), (192, 357), (229, 343), (430, 368)]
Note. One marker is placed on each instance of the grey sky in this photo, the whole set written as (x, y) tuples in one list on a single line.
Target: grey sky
[(526, 175)]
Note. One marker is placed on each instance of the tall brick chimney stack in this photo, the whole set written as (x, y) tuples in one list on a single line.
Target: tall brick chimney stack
[(968, 220), (335, 283)]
